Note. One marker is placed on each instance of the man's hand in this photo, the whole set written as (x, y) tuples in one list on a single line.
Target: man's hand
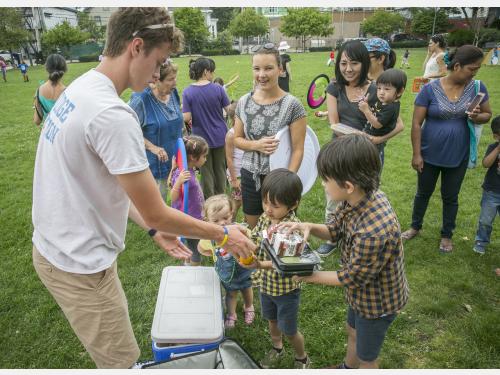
[(172, 246)]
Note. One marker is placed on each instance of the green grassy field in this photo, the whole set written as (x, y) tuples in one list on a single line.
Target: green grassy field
[(434, 331)]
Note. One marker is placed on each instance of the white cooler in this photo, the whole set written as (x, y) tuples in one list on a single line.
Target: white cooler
[(188, 315)]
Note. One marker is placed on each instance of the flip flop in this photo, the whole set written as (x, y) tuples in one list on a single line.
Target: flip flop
[(445, 249), (409, 234)]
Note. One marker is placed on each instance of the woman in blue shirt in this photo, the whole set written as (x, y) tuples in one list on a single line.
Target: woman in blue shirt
[(159, 111), (440, 138)]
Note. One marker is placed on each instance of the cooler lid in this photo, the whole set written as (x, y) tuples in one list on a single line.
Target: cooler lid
[(188, 307)]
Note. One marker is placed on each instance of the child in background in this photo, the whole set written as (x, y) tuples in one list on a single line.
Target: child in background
[(3, 67), (331, 59), (490, 202), (234, 156), (196, 152), (220, 82), (368, 232), (381, 119), (279, 295), (404, 61), (24, 71), (218, 209)]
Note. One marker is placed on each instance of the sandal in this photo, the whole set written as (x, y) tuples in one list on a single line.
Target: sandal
[(249, 315), (445, 248), (409, 234), (230, 321)]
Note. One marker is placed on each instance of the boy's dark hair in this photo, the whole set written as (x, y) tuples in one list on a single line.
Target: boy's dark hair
[(495, 125), (352, 158), (282, 186), (219, 81), (394, 77), (464, 55), (133, 22), (198, 66), (356, 51), (195, 146)]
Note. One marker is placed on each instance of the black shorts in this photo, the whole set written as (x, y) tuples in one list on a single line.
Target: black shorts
[(252, 199)]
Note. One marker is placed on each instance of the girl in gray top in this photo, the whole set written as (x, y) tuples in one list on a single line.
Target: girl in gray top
[(259, 116)]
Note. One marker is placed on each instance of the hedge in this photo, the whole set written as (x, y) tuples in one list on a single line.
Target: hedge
[(218, 52), (88, 58), (320, 49), (410, 44)]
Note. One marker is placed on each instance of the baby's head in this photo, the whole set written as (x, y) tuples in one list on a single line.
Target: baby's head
[(218, 209), (232, 111), (281, 192), (390, 85), (219, 81), (495, 128), (196, 150)]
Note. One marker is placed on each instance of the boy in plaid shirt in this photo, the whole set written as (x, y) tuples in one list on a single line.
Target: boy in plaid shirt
[(369, 234), (279, 295)]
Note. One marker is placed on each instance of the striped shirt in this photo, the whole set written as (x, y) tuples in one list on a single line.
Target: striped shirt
[(269, 280), (373, 274)]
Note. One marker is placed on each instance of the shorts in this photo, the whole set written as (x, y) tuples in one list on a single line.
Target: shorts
[(284, 309), (192, 244), (252, 200), (370, 334), (97, 310)]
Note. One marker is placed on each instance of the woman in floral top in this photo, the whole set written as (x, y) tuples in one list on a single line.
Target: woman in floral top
[(259, 116)]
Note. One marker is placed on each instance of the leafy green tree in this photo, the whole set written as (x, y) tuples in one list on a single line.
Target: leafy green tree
[(224, 16), (85, 23), (383, 23), (63, 36), (192, 24), (12, 31), (423, 21), (224, 41), (304, 23), (249, 24)]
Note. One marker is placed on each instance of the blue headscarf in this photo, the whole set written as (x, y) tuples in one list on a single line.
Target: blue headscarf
[(377, 44)]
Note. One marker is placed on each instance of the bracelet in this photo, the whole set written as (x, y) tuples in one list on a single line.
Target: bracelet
[(224, 241), (152, 232)]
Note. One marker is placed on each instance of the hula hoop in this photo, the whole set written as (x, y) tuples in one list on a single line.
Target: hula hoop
[(181, 161), (316, 94)]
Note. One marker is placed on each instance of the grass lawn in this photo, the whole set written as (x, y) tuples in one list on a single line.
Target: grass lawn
[(434, 331)]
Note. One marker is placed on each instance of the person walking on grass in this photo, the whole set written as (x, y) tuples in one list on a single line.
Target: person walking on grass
[(440, 138), (91, 173), (3, 67), (23, 67)]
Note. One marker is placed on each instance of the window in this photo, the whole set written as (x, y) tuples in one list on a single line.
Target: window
[(97, 19)]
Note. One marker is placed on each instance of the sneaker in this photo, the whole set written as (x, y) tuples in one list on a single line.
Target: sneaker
[(301, 365), (326, 249), (478, 248), (271, 357)]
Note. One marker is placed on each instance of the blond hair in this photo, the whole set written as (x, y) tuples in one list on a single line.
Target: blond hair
[(215, 204), (167, 69), (128, 23)]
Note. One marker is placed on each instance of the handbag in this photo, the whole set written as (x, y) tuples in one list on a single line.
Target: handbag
[(475, 131)]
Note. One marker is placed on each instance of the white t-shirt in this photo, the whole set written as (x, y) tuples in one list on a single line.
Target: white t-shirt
[(79, 209), (237, 157), (432, 66)]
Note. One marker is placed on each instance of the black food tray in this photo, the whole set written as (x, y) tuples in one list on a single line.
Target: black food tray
[(288, 269)]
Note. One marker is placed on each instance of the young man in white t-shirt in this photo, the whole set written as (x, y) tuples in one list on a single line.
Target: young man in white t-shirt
[(91, 172)]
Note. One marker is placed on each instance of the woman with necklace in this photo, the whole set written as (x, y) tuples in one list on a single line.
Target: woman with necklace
[(203, 104), (159, 111), (441, 138)]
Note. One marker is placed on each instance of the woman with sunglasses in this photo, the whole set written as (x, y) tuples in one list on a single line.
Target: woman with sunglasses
[(203, 103), (260, 114), (159, 111)]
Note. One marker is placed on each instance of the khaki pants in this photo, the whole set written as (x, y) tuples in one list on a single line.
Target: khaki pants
[(96, 308)]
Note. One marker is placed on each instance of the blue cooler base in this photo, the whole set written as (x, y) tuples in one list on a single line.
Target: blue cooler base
[(168, 352)]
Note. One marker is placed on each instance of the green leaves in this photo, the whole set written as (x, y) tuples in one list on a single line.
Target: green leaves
[(383, 24), (64, 36), (192, 24)]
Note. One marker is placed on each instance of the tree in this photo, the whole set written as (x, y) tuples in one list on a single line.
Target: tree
[(423, 21), (224, 41), (85, 23), (383, 23), (249, 24), (63, 36), (304, 23), (12, 31), (224, 16), (192, 24)]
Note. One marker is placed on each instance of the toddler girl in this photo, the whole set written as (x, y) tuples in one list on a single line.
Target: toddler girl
[(218, 209)]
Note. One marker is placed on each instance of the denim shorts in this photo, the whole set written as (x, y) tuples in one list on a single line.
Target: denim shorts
[(284, 309), (370, 334)]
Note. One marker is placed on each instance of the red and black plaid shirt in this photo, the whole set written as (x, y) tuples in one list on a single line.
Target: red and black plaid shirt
[(373, 274)]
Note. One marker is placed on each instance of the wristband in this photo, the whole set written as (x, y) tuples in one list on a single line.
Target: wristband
[(152, 232), (224, 240)]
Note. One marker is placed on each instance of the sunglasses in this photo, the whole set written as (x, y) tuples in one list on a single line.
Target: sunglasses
[(269, 46), (155, 27)]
